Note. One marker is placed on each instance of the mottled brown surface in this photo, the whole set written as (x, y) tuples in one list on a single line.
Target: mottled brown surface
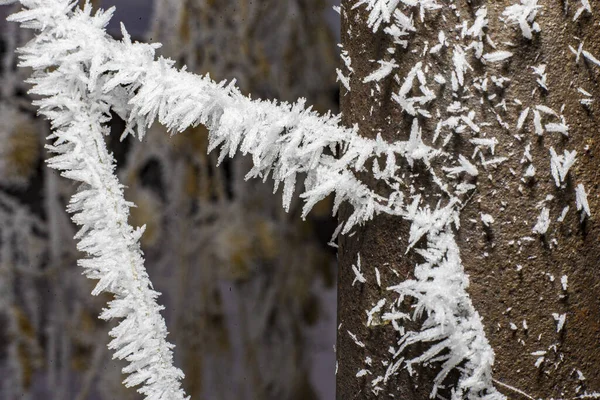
[(495, 283), (379, 243), (489, 259)]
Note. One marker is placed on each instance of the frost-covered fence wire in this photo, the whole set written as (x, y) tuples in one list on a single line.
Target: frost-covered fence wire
[(77, 111)]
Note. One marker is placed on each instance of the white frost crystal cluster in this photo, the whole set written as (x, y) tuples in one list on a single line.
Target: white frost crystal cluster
[(560, 165), (524, 15), (581, 201), (543, 222)]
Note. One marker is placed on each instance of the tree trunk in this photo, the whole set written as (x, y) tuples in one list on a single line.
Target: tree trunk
[(516, 270)]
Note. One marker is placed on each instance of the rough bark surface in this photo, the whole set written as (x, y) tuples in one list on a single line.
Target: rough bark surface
[(379, 243), (534, 293), (515, 274)]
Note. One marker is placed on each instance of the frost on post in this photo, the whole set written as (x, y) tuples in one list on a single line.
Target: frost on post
[(560, 165), (451, 326), (524, 15), (582, 202)]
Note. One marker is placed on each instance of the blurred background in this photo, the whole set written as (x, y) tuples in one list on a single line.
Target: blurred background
[(249, 290)]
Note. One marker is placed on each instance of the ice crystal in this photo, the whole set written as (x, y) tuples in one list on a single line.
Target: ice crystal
[(543, 222), (585, 6), (384, 70), (582, 202), (497, 56), (524, 14), (560, 165)]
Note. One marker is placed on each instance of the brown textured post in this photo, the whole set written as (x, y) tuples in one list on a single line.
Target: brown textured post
[(380, 242), (570, 248), (515, 274)]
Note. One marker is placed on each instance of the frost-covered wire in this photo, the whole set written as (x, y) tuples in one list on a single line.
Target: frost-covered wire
[(283, 139), (451, 321), (77, 109)]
